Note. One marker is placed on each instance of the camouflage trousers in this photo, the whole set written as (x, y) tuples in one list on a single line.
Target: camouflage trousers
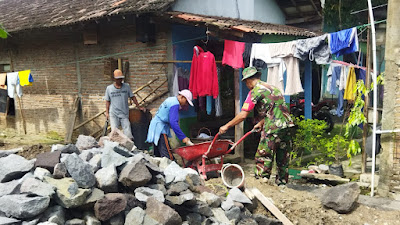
[(273, 146)]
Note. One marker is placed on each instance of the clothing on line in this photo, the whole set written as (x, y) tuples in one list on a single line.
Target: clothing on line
[(350, 85), (344, 42), (13, 85), (247, 54), (25, 78), (315, 48), (335, 79), (340, 100), (344, 72), (233, 54), (203, 74), (175, 84)]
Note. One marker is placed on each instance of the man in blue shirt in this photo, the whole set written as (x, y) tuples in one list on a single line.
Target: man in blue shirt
[(167, 117)]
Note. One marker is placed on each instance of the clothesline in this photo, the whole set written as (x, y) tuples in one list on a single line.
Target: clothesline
[(348, 64)]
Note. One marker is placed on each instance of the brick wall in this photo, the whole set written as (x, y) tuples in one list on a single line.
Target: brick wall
[(51, 54)]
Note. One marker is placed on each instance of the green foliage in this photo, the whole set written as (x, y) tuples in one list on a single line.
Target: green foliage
[(3, 32), (54, 135)]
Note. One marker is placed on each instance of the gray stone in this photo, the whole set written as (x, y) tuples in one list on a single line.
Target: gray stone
[(211, 199), (160, 179), (35, 186), (135, 175), (263, 220), (174, 173), (247, 221), (109, 206), (54, 214), (203, 209), (342, 198), (238, 196), (116, 220), (46, 223), (177, 188), (162, 213), (9, 221), (85, 142), (233, 213), (68, 194), (133, 202), (95, 162), (96, 195), (13, 167), (75, 222), (23, 206), (135, 216), (159, 187), (150, 221), (60, 171), (107, 179), (194, 180), (33, 221), (4, 153), (110, 157), (48, 160), (86, 155), (179, 200), (91, 220), (194, 218), (143, 193), (153, 168), (80, 171), (227, 204), (40, 173), (164, 162), (220, 215), (11, 187), (70, 148), (118, 136)]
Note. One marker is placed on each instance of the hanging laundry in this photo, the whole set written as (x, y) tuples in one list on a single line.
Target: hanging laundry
[(175, 84), (315, 48), (340, 100), (350, 85), (335, 79), (13, 85), (3, 100), (286, 50), (261, 51), (218, 106), (344, 41), (25, 78), (203, 74), (274, 77), (247, 54), (3, 77), (233, 54), (183, 78), (344, 72)]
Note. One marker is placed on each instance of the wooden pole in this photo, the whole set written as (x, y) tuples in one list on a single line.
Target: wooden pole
[(366, 108), (239, 152)]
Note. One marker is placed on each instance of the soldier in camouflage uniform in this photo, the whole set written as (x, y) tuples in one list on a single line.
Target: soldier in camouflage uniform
[(275, 119)]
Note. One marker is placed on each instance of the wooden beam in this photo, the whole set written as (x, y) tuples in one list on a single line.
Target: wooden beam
[(71, 122), (316, 8), (297, 7), (90, 119), (143, 86), (271, 207)]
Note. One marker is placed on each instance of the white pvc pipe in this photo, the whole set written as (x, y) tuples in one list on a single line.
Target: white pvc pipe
[(375, 98), (387, 131)]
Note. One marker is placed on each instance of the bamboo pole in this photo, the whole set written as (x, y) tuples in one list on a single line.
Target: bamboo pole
[(366, 108)]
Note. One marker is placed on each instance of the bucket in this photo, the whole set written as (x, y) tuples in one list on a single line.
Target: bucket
[(232, 175)]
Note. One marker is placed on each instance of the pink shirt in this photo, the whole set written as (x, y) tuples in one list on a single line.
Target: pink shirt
[(248, 104), (233, 54)]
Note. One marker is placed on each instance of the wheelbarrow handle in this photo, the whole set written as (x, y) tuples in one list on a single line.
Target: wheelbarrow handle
[(212, 143), (241, 139)]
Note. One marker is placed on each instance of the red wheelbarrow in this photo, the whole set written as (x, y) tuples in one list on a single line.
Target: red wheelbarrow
[(196, 155)]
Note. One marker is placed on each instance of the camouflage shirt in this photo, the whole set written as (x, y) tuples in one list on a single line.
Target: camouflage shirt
[(270, 104)]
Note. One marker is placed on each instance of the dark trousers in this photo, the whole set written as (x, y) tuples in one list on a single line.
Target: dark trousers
[(161, 150)]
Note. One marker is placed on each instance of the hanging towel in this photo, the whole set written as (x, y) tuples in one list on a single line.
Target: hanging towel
[(3, 77), (315, 48), (351, 83), (261, 51), (25, 78), (273, 77), (282, 49), (13, 85), (218, 106), (233, 54), (344, 72), (247, 54), (335, 79), (203, 74), (175, 84), (344, 41), (293, 81)]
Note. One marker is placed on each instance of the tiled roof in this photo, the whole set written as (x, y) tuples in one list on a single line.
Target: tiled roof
[(241, 25), (19, 15)]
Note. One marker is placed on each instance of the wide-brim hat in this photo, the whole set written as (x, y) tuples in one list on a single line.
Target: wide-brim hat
[(249, 72), (188, 95)]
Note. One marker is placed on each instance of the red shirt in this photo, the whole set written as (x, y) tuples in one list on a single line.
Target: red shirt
[(203, 74), (233, 54)]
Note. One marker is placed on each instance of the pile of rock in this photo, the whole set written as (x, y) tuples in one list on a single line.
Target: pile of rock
[(110, 184)]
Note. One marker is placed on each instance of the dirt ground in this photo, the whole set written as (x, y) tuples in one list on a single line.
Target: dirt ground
[(302, 207)]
